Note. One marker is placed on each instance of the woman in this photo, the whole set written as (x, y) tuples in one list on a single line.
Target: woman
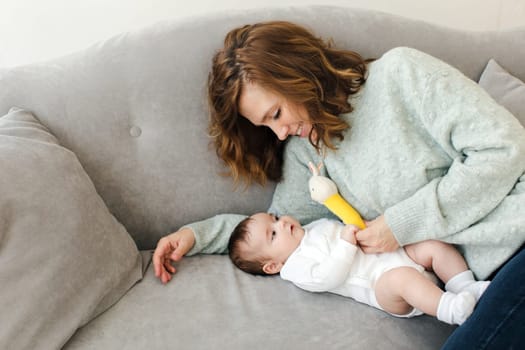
[(418, 149)]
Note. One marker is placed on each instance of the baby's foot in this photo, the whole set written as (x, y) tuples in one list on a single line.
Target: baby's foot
[(464, 281), (462, 307), (455, 308), (477, 288)]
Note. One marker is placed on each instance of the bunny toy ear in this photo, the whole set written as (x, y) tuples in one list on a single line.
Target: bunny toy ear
[(313, 169)]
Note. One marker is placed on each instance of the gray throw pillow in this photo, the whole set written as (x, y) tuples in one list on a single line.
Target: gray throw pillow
[(505, 88), (63, 257)]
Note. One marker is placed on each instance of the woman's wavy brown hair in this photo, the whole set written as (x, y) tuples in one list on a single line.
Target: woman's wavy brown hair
[(290, 61)]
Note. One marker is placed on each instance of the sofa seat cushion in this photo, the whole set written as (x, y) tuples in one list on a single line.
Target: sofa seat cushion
[(210, 304), (63, 257)]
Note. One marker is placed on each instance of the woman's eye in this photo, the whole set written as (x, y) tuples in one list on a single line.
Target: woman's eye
[(277, 114)]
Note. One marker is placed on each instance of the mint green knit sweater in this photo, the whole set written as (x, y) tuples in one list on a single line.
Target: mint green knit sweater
[(429, 149)]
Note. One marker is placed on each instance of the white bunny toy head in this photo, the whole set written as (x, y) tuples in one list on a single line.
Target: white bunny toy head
[(321, 187)]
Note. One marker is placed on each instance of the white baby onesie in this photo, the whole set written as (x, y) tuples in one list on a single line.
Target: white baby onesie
[(324, 262)]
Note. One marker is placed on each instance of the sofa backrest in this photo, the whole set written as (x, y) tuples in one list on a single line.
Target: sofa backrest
[(133, 107)]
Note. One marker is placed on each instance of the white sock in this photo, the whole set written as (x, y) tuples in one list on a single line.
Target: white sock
[(455, 308), (465, 281)]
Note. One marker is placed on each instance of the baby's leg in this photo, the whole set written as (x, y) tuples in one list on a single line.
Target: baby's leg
[(448, 264), (437, 256), (400, 290)]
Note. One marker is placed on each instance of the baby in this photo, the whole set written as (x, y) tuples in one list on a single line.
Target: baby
[(323, 256)]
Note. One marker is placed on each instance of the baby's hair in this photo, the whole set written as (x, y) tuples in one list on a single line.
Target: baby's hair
[(238, 238)]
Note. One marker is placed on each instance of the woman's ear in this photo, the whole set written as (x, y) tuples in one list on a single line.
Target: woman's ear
[(272, 267)]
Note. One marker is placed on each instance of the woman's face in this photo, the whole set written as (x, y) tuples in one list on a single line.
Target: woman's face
[(265, 108)]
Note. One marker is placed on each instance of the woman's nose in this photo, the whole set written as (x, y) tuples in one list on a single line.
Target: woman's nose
[(281, 131)]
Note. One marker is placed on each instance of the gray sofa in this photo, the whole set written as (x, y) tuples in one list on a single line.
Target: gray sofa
[(125, 120)]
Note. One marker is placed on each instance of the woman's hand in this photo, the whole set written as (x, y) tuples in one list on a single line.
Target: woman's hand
[(171, 248), (377, 237)]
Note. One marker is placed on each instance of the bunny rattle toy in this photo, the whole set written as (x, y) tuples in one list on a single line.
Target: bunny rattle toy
[(324, 191)]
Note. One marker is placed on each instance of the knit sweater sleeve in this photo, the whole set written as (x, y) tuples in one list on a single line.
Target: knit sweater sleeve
[(486, 145), (212, 235)]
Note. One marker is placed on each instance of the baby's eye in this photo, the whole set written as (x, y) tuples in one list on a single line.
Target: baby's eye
[(276, 217), (273, 235)]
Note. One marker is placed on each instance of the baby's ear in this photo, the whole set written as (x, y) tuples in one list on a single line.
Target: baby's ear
[(272, 267)]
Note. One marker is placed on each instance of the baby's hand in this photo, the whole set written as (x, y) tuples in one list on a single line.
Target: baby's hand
[(348, 234)]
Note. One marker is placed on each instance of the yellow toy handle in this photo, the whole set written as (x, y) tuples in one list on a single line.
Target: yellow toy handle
[(337, 205), (324, 191)]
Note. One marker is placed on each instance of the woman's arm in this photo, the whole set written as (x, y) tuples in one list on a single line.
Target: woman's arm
[(212, 234), (207, 236), (485, 142)]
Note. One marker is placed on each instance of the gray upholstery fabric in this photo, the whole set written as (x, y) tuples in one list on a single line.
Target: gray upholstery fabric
[(64, 258), (505, 88), (133, 109), (213, 305)]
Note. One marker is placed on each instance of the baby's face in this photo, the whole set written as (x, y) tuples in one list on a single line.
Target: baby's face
[(274, 238)]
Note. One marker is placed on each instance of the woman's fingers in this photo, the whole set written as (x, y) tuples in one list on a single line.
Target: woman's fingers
[(168, 266), (161, 257), (171, 248), (377, 237)]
